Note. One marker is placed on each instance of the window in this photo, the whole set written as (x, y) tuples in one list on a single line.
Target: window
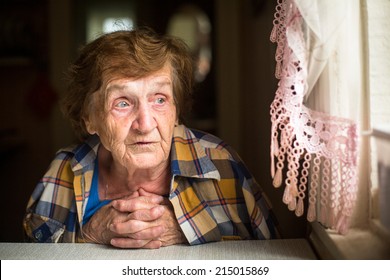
[(104, 17), (379, 68), (368, 238)]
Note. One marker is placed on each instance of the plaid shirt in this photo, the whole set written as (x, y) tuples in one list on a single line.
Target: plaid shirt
[(213, 194)]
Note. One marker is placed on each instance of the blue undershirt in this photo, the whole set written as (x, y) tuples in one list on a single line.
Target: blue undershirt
[(94, 203)]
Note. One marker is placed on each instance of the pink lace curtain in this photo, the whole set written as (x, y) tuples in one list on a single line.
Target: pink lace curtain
[(314, 150)]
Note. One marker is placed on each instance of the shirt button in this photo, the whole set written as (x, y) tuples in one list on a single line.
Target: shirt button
[(38, 235)]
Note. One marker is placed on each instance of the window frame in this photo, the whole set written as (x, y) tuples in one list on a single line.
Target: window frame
[(367, 238)]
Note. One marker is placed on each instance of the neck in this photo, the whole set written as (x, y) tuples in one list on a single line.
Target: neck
[(116, 180)]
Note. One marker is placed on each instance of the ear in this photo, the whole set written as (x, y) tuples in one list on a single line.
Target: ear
[(177, 122), (90, 126)]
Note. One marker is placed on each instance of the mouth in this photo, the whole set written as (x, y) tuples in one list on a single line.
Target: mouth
[(143, 144), (143, 141)]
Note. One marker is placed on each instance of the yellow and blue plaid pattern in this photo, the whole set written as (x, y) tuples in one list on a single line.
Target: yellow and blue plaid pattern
[(213, 194)]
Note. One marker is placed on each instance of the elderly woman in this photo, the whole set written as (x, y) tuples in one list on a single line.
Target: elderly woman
[(140, 178)]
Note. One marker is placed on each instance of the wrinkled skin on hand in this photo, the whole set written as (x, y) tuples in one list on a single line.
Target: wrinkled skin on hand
[(142, 220)]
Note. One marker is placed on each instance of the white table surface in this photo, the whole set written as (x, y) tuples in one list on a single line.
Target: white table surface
[(278, 249)]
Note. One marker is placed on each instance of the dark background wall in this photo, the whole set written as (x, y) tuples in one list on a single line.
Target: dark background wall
[(39, 38)]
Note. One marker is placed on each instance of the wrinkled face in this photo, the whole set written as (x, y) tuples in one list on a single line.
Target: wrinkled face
[(139, 120)]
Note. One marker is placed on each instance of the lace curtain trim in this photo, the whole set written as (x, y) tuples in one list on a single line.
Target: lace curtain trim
[(317, 152)]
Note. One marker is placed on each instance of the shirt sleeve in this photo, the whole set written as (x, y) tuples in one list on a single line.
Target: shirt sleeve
[(262, 219), (50, 210)]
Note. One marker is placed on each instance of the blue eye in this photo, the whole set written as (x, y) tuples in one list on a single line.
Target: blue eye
[(160, 100), (122, 104)]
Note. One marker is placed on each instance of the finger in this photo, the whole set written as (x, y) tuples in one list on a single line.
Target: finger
[(148, 234), (137, 203), (135, 243), (131, 226), (147, 215), (154, 244), (165, 199)]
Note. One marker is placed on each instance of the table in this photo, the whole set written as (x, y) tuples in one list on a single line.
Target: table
[(277, 249)]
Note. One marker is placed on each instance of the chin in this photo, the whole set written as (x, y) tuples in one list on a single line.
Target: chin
[(147, 161)]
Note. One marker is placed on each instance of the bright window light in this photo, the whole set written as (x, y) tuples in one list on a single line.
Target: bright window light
[(115, 24)]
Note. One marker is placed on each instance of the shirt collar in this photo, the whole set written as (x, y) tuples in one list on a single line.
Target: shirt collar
[(86, 153), (188, 156)]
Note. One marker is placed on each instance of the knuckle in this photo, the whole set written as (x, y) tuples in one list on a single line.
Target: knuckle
[(114, 227), (158, 211), (127, 205)]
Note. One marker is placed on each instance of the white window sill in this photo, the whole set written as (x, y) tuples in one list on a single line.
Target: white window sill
[(368, 243)]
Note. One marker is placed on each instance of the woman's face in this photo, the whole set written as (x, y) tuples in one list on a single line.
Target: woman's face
[(139, 120)]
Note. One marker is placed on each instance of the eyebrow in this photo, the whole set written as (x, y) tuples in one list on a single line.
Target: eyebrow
[(114, 87), (160, 84), (156, 84)]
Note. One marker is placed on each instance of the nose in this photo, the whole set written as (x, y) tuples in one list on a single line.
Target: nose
[(144, 121)]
